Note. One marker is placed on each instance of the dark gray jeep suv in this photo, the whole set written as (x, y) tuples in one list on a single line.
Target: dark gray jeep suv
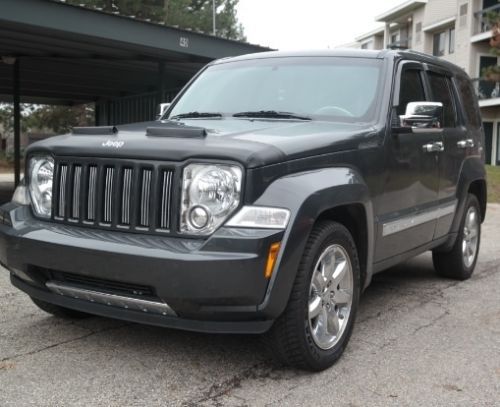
[(262, 201)]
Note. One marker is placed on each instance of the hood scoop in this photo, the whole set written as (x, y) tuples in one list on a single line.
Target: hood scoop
[(177, 132), (95, 131)]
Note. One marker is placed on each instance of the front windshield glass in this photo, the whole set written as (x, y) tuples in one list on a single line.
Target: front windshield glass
[(320, 88)]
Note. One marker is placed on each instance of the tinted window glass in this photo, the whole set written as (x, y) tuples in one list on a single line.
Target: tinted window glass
[(442, 93), (330, 88), (468, 101), (412, 89)]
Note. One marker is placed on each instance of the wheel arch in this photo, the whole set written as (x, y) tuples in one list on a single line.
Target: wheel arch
[(353, 217), (472, 179), (339, 194), (479, 189)]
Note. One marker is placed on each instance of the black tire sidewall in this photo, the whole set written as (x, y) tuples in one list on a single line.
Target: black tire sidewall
[(334, 233), (451, 264)]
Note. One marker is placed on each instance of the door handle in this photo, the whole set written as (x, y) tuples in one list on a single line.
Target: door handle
[(468, 143), (435, 147)]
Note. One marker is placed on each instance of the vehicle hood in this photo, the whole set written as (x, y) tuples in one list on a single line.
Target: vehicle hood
[(253, 143)]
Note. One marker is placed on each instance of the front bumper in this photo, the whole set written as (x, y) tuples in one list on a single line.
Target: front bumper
[(213, 285)]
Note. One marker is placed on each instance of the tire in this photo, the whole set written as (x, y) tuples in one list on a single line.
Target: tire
[(454, 263), (58, 311), (295, 338)]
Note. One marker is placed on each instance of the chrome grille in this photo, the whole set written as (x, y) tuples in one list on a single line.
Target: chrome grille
[(166, 189), (77, 176), (145, 195), (108, 194), (62, 191), (114, 195), (91, 190), (126, 191)]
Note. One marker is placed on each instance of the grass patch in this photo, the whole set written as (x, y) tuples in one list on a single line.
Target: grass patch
[(493, 183)]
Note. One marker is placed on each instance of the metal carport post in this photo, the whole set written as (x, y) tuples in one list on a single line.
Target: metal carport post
[(17, 122)]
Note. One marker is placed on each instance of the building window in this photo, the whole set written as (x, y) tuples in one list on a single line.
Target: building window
[(463, 15), (418, 33), (451, 40), (439, 44)]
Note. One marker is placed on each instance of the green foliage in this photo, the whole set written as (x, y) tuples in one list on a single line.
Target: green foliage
[(493, 20), (190, 14), (493, 183), (60, 119), (47, 119)]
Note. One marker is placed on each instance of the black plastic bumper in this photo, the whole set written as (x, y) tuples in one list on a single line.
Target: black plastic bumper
[(229, 327), (214, 285)]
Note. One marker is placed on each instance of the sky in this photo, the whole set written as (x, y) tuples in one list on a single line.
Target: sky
[(309, 24)]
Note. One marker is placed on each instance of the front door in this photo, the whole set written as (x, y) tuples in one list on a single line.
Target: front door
[(412, 176)]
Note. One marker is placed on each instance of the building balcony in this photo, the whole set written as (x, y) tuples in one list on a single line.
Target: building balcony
[(487, 91), (482, 25)]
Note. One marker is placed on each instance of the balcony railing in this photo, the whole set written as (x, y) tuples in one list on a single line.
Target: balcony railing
[(486, 89), (482, 22)]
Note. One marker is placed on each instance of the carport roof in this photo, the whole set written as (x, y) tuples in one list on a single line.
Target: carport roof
[(72, 54)]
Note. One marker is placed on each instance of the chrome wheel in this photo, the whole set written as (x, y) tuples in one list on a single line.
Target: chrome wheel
[(330, 296), (470, 236)]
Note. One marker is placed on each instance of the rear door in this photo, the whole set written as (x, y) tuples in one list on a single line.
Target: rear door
[(409, 202), (454, 135)]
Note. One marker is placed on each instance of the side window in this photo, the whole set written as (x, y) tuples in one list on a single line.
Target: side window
[(468, 99), (411, 89), (442, 93)]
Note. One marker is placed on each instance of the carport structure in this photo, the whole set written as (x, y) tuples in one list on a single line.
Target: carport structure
[(54, 53)]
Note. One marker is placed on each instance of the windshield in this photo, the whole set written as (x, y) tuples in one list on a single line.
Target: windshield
[(321, 88)]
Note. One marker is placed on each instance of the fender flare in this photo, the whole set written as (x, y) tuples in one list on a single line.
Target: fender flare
[(307, 195), (472, 170)]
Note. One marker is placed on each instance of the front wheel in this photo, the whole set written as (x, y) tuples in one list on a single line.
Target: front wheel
[(460, 261), (317, 323)]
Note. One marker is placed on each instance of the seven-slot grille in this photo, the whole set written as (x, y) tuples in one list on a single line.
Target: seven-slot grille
[(122, 195)]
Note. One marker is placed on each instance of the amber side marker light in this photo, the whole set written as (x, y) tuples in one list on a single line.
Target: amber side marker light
[(271, 259)]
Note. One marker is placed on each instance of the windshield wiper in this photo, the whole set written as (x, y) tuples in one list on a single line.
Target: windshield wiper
[(195, 115), (271, 114)]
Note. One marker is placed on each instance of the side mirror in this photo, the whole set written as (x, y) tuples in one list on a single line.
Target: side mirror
[(162, 108), (421, 117)]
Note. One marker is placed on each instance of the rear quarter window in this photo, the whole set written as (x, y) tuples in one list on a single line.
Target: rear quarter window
[(468, 101)]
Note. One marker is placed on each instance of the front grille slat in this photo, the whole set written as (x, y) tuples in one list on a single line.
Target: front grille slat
[(92, 193), (62, 191), (117, 195), (165, 200), (126, 190), (108, 195), (145, 197), (77, 176)]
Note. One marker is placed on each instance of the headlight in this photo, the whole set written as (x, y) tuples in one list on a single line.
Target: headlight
[(41, 174), (210, 193)]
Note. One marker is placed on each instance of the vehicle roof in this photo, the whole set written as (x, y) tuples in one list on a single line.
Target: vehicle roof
[(352, 53)]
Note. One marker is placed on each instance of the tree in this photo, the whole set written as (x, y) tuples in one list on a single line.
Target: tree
[(60, 119), (492, 73), (44, 118), (188, 14)]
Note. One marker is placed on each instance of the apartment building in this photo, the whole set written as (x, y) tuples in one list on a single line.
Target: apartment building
[(455, 30)]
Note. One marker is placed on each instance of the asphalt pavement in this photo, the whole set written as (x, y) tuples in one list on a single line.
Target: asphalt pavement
[(420, 340)]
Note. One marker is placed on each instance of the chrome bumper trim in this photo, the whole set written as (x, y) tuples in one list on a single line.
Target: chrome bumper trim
[(113, 300)]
